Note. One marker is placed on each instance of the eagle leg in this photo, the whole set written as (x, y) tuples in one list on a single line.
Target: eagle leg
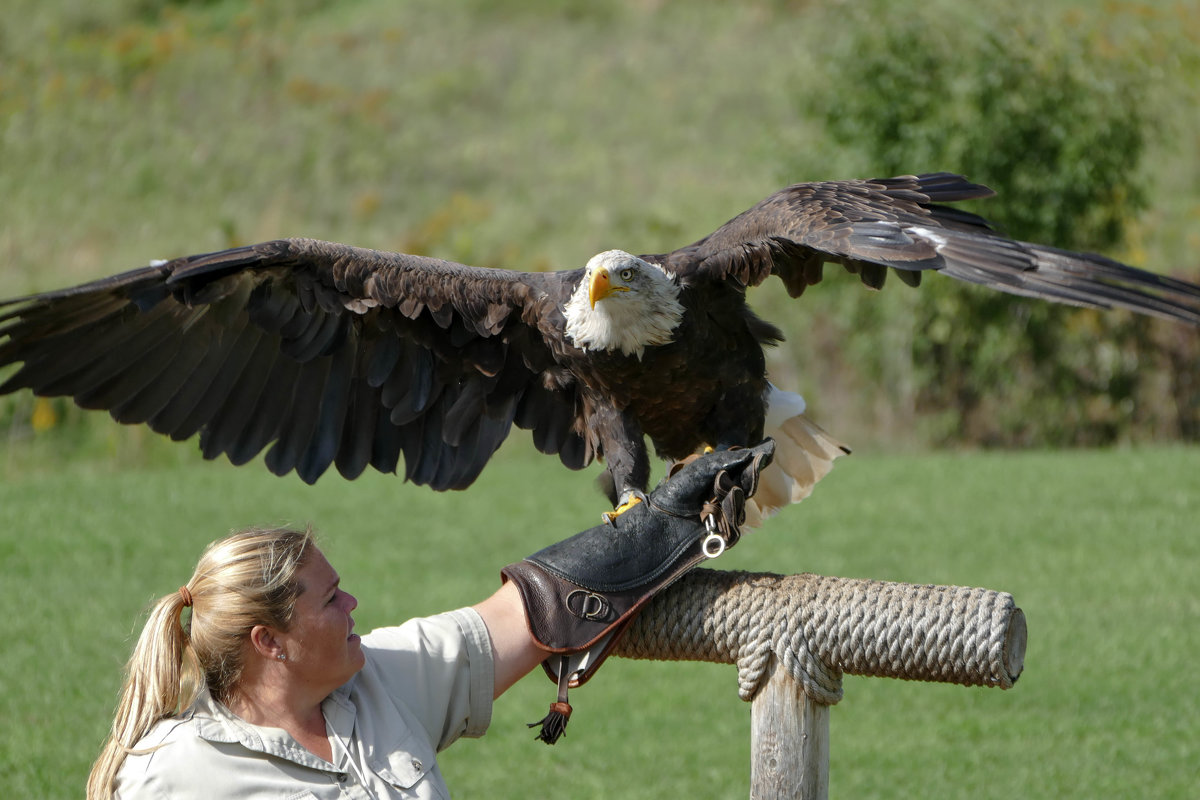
[(627, 460)]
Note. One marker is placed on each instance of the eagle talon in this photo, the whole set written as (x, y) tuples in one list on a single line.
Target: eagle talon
[(632, 499)]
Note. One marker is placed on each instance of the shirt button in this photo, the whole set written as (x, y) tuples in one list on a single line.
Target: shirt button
[(416, 764)]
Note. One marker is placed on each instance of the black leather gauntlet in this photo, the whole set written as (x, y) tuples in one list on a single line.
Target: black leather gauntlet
[(581, 593)]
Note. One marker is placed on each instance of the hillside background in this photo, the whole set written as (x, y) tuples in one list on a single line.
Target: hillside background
[(532, 134)]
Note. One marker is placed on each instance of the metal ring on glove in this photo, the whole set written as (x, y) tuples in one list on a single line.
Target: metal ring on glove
[(713, 545)]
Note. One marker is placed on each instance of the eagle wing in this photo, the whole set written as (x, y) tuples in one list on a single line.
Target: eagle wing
[(900, 223), (328, 353)]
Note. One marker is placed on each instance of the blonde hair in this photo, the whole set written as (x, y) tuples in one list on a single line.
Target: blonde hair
[(243, 580)]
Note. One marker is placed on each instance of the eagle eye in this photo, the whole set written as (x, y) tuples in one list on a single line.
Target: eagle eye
[(626, 274)]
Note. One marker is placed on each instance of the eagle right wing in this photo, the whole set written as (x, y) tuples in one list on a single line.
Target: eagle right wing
[(901, 224), (330, 354)]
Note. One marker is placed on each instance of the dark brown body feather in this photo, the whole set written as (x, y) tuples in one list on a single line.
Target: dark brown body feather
[(325, 354)]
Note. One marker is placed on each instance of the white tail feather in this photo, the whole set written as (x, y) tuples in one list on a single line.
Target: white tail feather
[(804, 454)]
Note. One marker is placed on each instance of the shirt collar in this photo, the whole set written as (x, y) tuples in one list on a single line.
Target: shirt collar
[(216, 723)]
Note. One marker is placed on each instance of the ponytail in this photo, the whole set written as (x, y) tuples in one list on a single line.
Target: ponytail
[(243, 580), (153, 680)]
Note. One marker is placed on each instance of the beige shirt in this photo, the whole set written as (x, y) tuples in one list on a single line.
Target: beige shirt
[(424, 684)]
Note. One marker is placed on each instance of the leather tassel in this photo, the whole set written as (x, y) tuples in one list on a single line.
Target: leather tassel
[(554, 724)]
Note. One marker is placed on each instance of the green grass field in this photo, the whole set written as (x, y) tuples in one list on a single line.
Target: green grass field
[(1099, 548)]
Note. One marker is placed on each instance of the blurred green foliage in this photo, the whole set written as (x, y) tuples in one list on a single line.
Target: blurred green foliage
[(1052, 120)]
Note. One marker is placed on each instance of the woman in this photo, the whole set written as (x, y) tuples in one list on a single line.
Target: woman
[(280, 698), (264, 666)]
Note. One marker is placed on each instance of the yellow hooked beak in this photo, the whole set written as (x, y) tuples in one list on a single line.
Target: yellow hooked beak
[(601, 286)]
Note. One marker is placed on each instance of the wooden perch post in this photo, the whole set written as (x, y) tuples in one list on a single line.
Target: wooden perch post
[(789, 740), (794, 636)]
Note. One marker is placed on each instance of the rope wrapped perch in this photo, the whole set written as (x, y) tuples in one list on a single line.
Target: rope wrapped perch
[(819, 628)]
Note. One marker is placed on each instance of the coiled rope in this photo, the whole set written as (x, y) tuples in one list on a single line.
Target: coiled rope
[(821, 627)]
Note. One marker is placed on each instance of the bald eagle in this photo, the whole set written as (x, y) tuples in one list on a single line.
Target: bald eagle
[(335, 355)]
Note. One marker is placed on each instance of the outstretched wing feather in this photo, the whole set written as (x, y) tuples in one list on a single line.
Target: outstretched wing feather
[(901, 224), (327, 353)]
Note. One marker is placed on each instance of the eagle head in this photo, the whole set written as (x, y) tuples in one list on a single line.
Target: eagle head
[(623, 303)]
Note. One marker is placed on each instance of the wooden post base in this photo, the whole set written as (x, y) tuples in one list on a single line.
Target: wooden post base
[(789, 741)]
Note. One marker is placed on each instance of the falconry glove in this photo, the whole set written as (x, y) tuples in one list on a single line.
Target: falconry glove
[(581, 593)]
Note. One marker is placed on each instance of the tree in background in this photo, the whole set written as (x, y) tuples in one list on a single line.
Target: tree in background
[(1051, 120)]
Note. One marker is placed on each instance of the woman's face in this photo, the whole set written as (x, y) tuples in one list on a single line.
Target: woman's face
[(322, 649)]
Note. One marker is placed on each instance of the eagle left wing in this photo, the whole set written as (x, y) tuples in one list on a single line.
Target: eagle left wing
[(900, 224), (330, 354)]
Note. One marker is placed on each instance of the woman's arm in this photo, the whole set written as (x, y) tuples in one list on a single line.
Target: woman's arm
[(513, 649)]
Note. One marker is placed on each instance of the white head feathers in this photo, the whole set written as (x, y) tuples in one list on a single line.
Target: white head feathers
[(623, 303)]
